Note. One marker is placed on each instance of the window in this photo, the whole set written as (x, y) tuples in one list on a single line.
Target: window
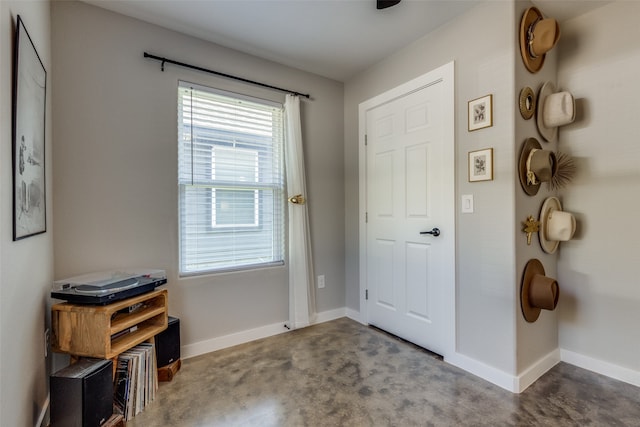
[(231, 181), (241, 165)]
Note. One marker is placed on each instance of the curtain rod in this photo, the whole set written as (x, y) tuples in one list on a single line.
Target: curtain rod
[(229, 76)]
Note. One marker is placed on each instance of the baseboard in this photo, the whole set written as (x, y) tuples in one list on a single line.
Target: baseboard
[(484, 371), (601, 367), (538, 369), (43, 413), (226, 341), (329, 315), (354, 315), (218, 343)]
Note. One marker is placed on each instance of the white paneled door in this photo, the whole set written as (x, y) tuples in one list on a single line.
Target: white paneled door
[(409, 217)]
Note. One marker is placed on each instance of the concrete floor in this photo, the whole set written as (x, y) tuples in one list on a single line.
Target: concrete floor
[(341, 373)]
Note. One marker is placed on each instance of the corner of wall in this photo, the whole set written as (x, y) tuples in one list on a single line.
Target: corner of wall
[(537, 342)]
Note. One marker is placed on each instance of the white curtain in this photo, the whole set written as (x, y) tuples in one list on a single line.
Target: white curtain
[(302, 304)]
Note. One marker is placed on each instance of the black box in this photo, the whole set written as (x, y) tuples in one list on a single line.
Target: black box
[(168, 343), (82, 394)]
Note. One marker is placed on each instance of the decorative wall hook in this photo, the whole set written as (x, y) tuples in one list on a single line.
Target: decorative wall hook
[(531, 225)]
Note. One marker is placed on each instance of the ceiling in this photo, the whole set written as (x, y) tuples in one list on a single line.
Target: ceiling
[(333, 38)]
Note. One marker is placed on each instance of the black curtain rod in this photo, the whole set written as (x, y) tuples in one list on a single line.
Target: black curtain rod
[(229, 76)]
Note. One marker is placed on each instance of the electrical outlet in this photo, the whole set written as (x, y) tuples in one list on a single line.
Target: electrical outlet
[(46, 342), (321, 281)]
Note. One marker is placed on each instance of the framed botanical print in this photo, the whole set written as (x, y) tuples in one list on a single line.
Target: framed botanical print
[(480, 113), (481, 165)]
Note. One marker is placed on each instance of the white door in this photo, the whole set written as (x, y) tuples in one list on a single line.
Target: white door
[(409, 186)]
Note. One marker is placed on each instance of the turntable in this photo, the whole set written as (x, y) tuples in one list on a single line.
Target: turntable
[(107, 287)]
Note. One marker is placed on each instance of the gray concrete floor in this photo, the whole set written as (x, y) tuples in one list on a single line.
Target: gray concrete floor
[(341, 373)]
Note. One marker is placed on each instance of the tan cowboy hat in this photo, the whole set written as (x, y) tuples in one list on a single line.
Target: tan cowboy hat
[(555, 225), (537, 291), (538, 35), (535, 166), (554, 109)]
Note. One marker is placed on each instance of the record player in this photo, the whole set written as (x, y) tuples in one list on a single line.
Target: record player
[(109, 286)]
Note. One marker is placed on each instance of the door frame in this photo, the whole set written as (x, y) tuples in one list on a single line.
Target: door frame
[(441, 75)]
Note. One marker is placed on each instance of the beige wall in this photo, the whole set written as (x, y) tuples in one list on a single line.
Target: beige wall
[(599, 59), (115, 165), (26, 266), (486, 285)]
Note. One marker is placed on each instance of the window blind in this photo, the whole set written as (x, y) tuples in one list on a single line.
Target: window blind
[(231, 181)]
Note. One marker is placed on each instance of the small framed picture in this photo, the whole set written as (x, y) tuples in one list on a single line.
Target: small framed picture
[(481, 165), (481, 113)]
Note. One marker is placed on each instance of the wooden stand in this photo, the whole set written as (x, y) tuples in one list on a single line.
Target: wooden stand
[(106, 331), (166, 373)]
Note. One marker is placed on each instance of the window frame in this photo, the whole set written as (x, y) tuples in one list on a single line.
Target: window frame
[(275, 197)]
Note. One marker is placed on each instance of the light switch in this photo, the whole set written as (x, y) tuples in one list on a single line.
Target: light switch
[(467, 203)]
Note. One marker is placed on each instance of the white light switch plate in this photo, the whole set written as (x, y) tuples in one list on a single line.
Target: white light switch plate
[(467, 203)]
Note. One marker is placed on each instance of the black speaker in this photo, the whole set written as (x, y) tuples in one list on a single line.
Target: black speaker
[(168, 343), (82, 394)]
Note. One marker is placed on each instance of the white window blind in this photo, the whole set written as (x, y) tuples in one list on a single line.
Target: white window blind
[(231, 181)]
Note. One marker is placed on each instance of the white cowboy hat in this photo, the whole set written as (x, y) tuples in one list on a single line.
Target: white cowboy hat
[(555, 225), (554, 109)]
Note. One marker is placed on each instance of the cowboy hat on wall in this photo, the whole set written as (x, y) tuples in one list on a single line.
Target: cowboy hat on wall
[(555, 225), (554, 109), (537, 291), (535, 166), (538, 35)]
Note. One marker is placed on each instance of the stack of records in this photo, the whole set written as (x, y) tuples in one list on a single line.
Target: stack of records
[(136, 380)]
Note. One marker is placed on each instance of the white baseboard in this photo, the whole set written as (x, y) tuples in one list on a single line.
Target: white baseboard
[(521, 382), (218, 343), (601, 367), (512, 383), (484, 371), (329, 315), (354, 315), (538, 369)]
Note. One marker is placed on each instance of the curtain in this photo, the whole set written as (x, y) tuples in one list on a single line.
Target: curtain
[(302, 305)]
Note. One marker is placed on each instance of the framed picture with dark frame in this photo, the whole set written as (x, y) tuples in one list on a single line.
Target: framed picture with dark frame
[(481, 165), (28, 134), (480, 113)]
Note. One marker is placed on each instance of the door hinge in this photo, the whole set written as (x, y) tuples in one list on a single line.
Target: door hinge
[(366, 294), (366, 140), (366, 217)]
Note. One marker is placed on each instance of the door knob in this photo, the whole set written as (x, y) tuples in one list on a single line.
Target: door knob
[(435, 232)]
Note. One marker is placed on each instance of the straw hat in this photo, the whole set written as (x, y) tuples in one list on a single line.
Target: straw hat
[(538, 35), (555, 225), (554, 109), (535, 166), (537, 291)]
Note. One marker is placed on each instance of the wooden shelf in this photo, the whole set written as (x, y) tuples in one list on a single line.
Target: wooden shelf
[(106, 331)]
